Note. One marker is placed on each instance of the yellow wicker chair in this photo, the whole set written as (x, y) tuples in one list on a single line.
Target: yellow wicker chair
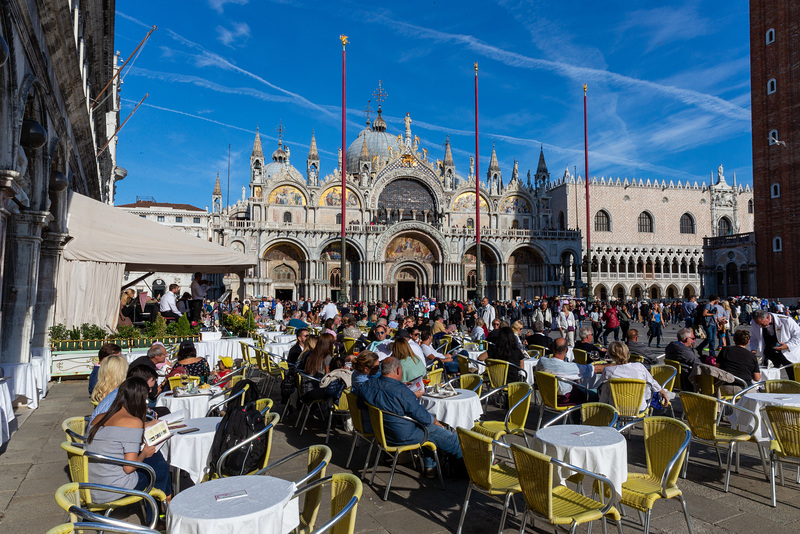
[(519, 398), (666, 443), (175, 381), (273, 372), (636, 358), (559, 505), (580, 356), (702, 414), (782, 386), (464, 364), (248, 356), (627, 395), (435, 376), (340, 409), (540, 351), (547, 384), (68, 497), (264, 405), (376, 417), (447, 340), (78, 460), (592, 414), (349, 343), (497, 371), (665, 375), (357, 418), (318, 459), (346, 491), (306, 407), (290, 330), (75, 429), (494, 479), (677, 366), (468, 381), (784, 422), (270, 421)]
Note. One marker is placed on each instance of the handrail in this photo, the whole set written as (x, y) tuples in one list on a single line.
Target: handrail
[(229, 399)]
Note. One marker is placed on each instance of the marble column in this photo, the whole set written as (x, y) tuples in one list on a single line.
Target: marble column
[(44, 312), (20, 284)]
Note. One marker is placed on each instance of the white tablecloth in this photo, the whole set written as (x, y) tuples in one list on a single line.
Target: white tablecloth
[(279, 349), (459, 411), (277, 337), (212, 351), (190, 451), (772, 373), (193, 406), (268, 507), (45, 358), (22, 382), (754, 402), (6, 412), (529, 364), (604, 451)]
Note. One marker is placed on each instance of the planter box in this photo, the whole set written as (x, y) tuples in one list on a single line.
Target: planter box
[(65, 345)]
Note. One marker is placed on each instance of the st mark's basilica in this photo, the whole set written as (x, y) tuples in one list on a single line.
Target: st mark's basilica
[(410, 225)]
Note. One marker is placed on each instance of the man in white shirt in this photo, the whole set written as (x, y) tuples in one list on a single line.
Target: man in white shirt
[(199, 289), (278, 310), (487, 313), (426, 338), (168, 306), (329, 310)]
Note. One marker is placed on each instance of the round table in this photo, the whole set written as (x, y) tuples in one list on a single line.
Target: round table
[(193, 406), (754, 402), (529, 365), (473, 354), (190, 451), (278, 349), (601, 450), (283, 338), (267, 507), (6, 412), (22, 382), (461, 410)]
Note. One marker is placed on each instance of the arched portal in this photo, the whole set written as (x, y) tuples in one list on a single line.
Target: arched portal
[(331, 264), (409, 281), (412, 259), (489, 271), (284, 267), (527, 272)]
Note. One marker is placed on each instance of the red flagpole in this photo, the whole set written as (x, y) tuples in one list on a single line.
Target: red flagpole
[(343, 170), (589, 294), (478, 278)]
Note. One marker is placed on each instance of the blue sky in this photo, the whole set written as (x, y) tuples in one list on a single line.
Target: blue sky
[(669, 86)]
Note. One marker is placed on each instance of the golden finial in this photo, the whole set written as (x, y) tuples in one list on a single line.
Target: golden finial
[(343, 39), (584, 89), (380, 94), (476, 67)]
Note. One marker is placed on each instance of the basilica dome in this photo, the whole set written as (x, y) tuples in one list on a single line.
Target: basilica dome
[(378, 141), (280, 167)]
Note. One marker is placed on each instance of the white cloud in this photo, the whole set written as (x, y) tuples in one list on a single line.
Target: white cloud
[(668, 24), (219, 5), (235, 36)]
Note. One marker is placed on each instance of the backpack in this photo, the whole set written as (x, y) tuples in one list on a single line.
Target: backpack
[(238, 424)]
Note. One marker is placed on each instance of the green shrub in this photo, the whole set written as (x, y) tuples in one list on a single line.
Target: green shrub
[(92, 331), (126, 332), (160, 329), (58, 332), (74, 334), (182, 326)]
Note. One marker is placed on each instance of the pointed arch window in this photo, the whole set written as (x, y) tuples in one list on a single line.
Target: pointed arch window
[(750, 206), (336, 278), (287, 217), (724, 227), (602, 221), (687, 224), (645, 223)]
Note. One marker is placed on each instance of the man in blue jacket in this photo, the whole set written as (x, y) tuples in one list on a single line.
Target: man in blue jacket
[(389, 393)]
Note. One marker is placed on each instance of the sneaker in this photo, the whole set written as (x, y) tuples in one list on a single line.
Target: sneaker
[(430, 472)]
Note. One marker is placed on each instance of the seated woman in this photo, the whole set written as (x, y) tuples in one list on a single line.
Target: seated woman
[(119, 433), (739, 361), (193, 364), (479, 332), (112, 372), (413, 366), (506, 347), (365, 367), (619, 352), (317, 364), (328, 327)]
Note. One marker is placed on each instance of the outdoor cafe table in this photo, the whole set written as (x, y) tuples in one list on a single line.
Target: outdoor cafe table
[(194, 406), (22, 382), (6, 411), (529, 366), (277, 337), (770, 373), (190, 451), (601, 450), (461, 410), (266, 507), (278, 349), (754, 402)]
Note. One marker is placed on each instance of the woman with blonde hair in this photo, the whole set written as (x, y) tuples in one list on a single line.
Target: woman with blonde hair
[(618, 351), (413, 366), (479, 332), (112, 372)]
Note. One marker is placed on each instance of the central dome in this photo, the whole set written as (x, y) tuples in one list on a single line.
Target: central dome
[(377, 139)]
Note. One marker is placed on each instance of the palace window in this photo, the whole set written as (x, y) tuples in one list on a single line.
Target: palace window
[(775, 190), (772, 86), (770, 35), (777, 244), (645, 223), (773, 137), (724, 227), (472, 278), (178, 219), (408, 195), (750, 206), (602, 221), (197, 220), (160, 218), (336, 278), (687, 224), (287, 217)]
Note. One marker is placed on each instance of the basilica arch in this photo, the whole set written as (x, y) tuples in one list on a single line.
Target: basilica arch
[(527, 272), (284, 265), (412, 265)]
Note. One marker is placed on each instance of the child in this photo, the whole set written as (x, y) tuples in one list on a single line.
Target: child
[(224, 367)]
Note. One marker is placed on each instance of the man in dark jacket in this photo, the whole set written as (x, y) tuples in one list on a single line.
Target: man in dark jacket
[(639, 347), (538, 337), (682, 351)]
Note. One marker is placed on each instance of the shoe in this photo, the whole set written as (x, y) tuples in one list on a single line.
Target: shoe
[(430, 472)]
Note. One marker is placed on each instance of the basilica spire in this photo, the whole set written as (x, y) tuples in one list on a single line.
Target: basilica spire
[(312, 151), (448, 154), (257, 152), (542, 167), (493, 165), (217, 187)]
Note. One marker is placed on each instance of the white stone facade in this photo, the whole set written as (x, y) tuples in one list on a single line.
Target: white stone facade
[(647, 237), (410, 225)]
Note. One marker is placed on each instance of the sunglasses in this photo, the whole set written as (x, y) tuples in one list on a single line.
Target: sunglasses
[(381, 332)]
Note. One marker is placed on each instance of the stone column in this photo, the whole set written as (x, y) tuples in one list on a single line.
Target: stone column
[(20, 284), (43, 314)]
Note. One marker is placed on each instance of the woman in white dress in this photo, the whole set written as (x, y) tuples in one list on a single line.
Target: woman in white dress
[(566, 324)]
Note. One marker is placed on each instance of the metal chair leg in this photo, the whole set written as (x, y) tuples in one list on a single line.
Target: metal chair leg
[(330, 421), (438, 468), (647, 521), (686, 514), (305, 420), (352, 449), (366, 460), (728, 470), (375, 467), (772, 479), (391, 476), (505, 512), (524, 521), (464, 509)]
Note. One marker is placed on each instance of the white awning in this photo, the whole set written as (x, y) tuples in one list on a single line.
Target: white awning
[(103, 233)]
